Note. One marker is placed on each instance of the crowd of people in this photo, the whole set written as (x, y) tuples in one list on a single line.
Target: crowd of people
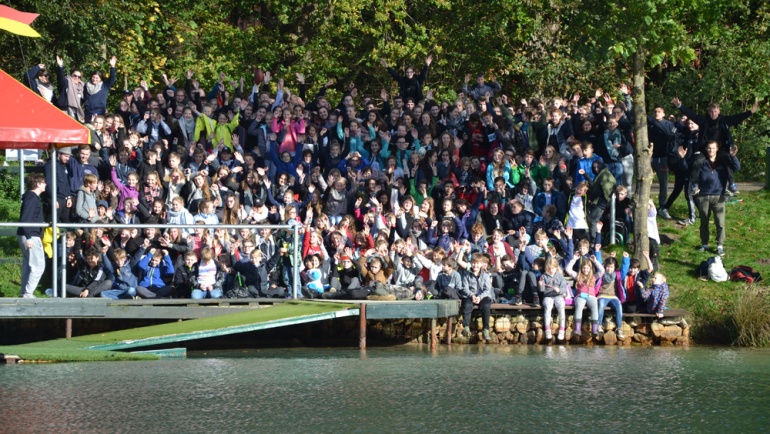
[(482, 199)]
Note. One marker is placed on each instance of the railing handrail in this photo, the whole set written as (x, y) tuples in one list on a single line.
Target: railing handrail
[(169, 225), (24, 225), (140, 225), (293, 228)]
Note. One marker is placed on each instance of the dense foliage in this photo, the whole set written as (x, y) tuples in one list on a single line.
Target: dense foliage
[(529, 46), (535, 48)]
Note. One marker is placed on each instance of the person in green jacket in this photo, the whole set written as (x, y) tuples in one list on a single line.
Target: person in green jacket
[(599, 194)]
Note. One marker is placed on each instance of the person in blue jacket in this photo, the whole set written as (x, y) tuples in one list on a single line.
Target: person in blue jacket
[(152, 271), (124, 281), (711, 175), (96, 90)]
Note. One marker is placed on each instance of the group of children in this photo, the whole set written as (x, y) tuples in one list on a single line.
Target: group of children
[(477, 200)]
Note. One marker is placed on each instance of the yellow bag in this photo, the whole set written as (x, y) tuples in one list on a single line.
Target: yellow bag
[(48, 241)]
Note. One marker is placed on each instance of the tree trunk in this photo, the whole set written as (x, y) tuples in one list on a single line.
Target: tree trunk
[(642, 155)]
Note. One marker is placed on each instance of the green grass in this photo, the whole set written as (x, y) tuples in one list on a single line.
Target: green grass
[(63, 350), (713, 305)]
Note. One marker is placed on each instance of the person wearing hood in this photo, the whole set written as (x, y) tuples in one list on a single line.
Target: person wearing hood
[(38, 79), (599, 195), (85, 205)]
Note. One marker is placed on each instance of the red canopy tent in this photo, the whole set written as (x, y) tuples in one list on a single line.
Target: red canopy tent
[(30, 122)]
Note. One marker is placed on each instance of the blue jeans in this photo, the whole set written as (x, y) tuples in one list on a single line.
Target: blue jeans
[(198, 294), (617, 171), (628, 173), (119, 294), (615, 302)]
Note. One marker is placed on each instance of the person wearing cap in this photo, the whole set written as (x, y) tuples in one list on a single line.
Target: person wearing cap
[(345, 278), (103, 212), (63, 191)]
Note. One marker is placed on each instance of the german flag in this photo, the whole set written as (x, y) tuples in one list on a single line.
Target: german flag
[(17, 22)]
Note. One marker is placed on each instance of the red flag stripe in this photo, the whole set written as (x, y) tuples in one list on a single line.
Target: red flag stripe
[(13, 14)]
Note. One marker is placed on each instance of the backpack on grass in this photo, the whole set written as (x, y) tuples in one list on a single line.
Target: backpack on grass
[(743, 273)]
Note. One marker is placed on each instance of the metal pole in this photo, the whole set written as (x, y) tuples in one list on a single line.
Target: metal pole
[(63, 268), (612, 220), (362, 326), (21, 171), (54, 219), (297, 261), (767, 168)]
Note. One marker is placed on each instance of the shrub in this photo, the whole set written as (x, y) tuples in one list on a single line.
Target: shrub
[(751, 316)]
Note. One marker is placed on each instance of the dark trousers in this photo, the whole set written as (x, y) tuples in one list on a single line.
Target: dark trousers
[(595, 214), (276, 292), (93, 290), (528, 280), (155, 292), (484, 306), (681, 182), (708, 205)]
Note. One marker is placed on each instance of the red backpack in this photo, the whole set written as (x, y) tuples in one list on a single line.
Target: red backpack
[(743, 273)]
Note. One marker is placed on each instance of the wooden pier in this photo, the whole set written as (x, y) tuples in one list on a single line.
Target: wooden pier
[(200, 319)]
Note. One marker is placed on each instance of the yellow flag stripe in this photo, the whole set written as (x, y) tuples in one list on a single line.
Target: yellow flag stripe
[(18, 28)]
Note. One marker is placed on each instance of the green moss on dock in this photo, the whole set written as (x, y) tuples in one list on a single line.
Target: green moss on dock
[(76, 349), (284, 310), (50, 353)]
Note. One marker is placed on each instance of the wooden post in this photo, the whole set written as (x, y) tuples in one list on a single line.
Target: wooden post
[(362, 326), (449, 322), (433, 333), (68, 328)]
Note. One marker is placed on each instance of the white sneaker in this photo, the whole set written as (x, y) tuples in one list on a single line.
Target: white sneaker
[(28, 296), (560, 336), (548, 334), (663, 212)]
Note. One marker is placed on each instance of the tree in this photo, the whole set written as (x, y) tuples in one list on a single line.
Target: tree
[(662, 31)]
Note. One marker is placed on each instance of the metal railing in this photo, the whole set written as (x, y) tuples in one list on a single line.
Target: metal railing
[(63, 239)]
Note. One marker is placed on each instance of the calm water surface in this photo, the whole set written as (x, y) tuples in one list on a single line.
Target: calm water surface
[(401, 389)]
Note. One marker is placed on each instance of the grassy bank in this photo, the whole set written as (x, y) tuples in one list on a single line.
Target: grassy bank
[(728, 312)]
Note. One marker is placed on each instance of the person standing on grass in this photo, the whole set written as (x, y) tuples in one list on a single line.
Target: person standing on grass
[(715, 127), (711, 176), (664, 136), (30, 238)]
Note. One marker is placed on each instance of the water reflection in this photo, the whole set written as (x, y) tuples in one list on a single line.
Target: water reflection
[(398, 389)]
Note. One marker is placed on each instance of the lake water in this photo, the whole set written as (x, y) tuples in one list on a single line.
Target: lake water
[(399, 389)]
